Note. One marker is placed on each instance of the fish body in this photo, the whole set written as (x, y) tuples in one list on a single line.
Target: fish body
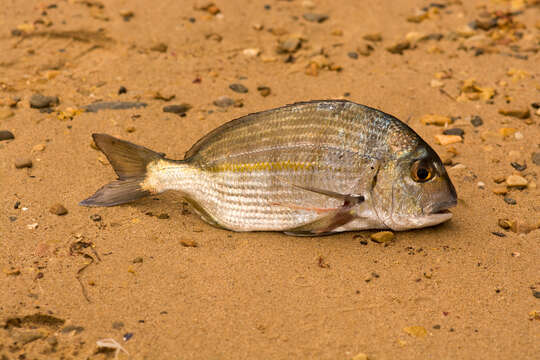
[(308, 168)]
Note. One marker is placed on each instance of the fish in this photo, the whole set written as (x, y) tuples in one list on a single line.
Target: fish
[(306, 169)]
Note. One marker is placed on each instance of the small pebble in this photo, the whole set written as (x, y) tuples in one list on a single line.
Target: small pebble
[(516, 181), (481, 185), (518, 166), (517, 113), (500, 190), (398, 47), (223, 102), (38, 148), (454, 131), (318, 18), (365, 49), (264, 90), (137, 260), (22, 163), (352, 55), (536, 294), (433, 119), (188, 243), (127, 336), (252, 52), (6, 135), (448, 139), (382, 237), (159, 47), (95, 217), (375, 37), (113, 105), (510, 201), (122, 90), (289, 46), (239, 88), (179, 109), (476, 121), (535, 157), (38, 101), (58, 209), (499, 234)]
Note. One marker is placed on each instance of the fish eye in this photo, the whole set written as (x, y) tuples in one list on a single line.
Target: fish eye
[(422, 171)]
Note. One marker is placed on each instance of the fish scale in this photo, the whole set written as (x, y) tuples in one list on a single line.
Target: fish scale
[(306, 168)]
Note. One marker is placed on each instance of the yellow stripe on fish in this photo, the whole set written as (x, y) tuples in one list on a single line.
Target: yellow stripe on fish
[(263, 166)]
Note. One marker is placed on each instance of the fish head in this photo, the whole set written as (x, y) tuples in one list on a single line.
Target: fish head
[(413, 190)]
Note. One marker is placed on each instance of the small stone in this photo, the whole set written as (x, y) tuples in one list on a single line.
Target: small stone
[(507, 131), (22, 163), (95, 217), (312, 17), (38, 101), (375, 37), (130, 129), (163, 96), (416, 331), (126, 14), (58, 209), (252, 52), (448, 139), (481, 185), (137, 260), (239, 88), (433, 119), (38, 148), (518, 166), (516, 181), (122, 90), (223, 102), (72, 329), (510, 201), (436, 83), (308, 4), (264, 90), (163, 216), (289, 45), (535, 157), (159, 47), (382, 237), (399, 47), (6, 135), (365, 49), (500, 190), (507, 224), (476, 121), (517, 113), (454, 131), (6, 113), (113, 105), (352, 55), (179, 109), (337, 32), (536, 294), (188, 243)]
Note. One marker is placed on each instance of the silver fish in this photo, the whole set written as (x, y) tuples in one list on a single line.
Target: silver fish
[(309, 168)]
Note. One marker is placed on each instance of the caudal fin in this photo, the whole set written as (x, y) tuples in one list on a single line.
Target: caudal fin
[(130, 162)]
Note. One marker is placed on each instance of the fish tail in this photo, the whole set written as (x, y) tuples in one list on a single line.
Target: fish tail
[(131, 164)]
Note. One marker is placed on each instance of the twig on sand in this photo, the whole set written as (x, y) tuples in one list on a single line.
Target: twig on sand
[(110, 343), (444, 92)]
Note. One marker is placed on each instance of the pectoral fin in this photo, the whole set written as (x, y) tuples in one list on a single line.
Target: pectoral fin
[(324, 225)]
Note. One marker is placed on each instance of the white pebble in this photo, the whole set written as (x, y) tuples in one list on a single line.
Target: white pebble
[(24, 209), (32, 226), (481, 185), (252, 52), (518, 135)]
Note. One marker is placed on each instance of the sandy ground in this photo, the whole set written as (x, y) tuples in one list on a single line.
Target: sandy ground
[(164, 284)]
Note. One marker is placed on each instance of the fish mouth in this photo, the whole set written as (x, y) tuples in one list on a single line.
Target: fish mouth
[(440, 212)]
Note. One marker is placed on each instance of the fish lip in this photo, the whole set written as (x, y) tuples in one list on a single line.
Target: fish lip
[(442, 207)]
